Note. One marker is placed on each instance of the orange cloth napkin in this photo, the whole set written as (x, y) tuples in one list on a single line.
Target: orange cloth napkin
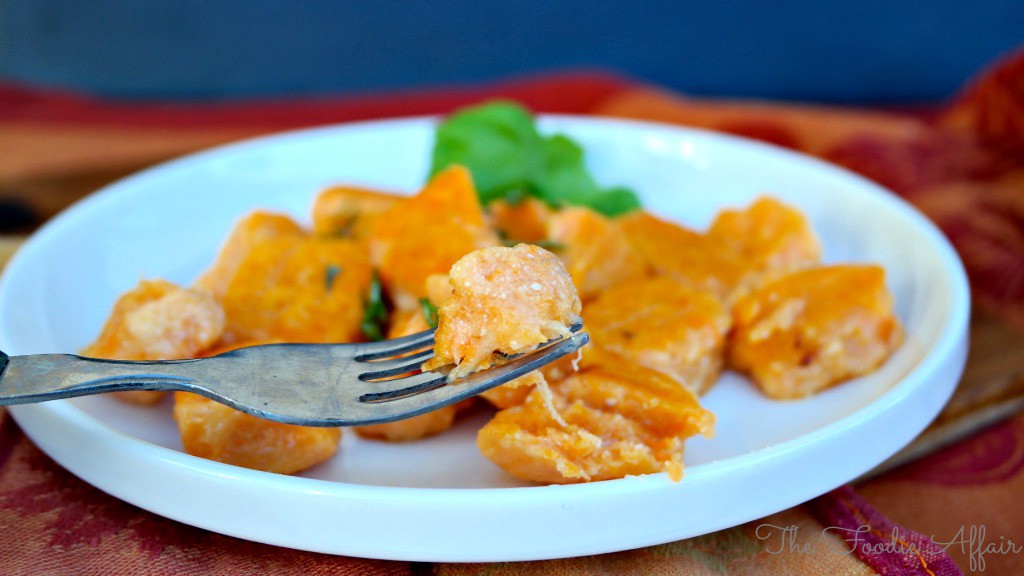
[(962, 164)]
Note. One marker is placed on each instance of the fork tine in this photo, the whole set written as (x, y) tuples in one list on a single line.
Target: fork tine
[(395, 346), (396, 366), (427, 391), (374, 351), (400, 366), (401, 387), (486, 379)]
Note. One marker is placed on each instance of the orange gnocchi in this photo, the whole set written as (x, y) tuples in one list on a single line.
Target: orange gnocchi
[(594, 250), (768, 233), (348, 212), (601, 423), (664, 325), (802, 332), (426, 234), (668, 249), (298, 288), (504, 301), (217, 432)]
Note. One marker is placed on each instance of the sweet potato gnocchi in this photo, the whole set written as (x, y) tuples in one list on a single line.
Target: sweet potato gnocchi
[(803, 331), (609, 420), (504, 301), (217, 432), (664, 325), (667, 308), (427, 233)]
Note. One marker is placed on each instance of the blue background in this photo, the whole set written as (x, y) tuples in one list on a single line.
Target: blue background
[(842, 52)]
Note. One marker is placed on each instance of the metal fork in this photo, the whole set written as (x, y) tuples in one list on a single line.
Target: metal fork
[(305, 384)]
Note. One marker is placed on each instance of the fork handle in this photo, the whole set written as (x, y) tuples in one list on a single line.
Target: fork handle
[(41, 377)]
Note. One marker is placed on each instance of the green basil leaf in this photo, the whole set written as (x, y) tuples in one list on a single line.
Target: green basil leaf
[(429, 312), (500, 145), (375, 313), (330, 275), (497, 142)]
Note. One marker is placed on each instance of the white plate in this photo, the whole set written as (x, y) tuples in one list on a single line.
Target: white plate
[(439, 499)]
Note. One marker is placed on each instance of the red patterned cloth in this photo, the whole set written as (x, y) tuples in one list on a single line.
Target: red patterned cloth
[(957, 511)]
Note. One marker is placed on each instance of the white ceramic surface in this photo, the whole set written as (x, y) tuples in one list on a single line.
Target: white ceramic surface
[(438, 499)]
